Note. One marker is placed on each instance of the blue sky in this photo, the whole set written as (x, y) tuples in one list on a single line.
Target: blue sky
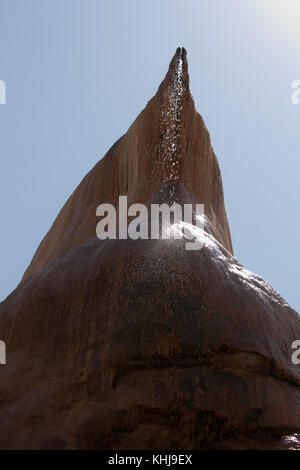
[(77, 74)]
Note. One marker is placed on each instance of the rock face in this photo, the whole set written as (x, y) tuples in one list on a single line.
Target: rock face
[(142, 344), (167, 143)]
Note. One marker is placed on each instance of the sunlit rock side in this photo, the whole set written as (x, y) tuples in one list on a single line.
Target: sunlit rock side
[(167, 143), (142, 344)]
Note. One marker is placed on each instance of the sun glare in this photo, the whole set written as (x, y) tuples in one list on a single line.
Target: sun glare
[(287, 12)]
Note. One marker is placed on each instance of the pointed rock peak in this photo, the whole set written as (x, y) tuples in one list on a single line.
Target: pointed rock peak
[(177, 77), (168, 149), (179, 62)]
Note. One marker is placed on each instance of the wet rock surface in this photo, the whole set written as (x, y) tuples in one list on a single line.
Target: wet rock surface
[(142, 344)]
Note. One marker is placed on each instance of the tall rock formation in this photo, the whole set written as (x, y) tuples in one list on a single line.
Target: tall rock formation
[(126, 344)]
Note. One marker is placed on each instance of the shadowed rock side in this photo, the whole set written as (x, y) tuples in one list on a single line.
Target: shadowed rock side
[(123, 344)]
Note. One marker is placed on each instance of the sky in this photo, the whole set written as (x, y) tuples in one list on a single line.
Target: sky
[(78, 72)]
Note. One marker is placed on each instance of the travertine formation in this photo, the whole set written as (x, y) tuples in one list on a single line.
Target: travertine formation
[(141, 344)]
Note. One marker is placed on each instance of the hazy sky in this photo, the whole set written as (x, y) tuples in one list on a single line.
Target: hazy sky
[(77, 74)]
